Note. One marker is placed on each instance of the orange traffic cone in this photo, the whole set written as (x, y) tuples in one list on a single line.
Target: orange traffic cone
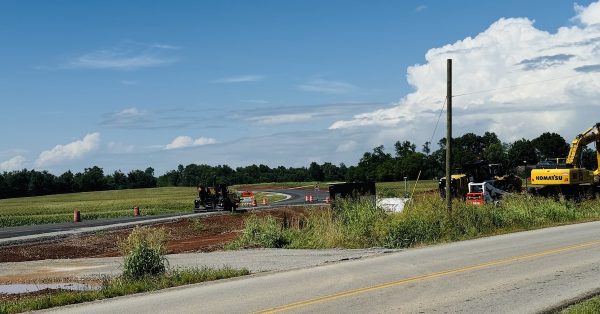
[(306, 198), (264, 201), (310, 198), (253, 202), (76, 215)]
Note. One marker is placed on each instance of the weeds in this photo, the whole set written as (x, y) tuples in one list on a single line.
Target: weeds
[(260, 232), (143, 252), (197, 224), (360, 224)]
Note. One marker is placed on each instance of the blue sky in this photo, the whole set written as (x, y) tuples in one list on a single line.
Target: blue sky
[(130, 84)]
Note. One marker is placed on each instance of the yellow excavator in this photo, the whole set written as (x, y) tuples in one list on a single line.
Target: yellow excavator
[(570, 179)]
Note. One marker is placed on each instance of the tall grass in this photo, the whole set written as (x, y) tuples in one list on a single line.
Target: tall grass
[(425, 220)]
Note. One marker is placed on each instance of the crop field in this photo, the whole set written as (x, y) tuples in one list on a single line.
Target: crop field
[(154, 201), (95, 205)]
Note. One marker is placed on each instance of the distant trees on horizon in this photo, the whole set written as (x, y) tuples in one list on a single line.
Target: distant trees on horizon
[(377, 165)]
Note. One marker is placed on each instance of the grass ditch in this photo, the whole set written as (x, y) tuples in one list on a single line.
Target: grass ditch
[(425, 221), (590, 306)]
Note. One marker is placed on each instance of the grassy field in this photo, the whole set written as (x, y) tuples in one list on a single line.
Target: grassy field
[(95, 205), (397, 189), (111, 204)]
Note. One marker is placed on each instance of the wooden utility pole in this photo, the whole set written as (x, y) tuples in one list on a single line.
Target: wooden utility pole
[(449, 136)]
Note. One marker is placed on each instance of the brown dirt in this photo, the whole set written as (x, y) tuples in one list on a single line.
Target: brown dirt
[(203, 234), (28, 295)]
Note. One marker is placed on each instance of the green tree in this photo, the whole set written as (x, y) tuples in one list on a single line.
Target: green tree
[(522, 151), (92, 179), (316, 172), (550, 145), (495, 153), (404, 149)]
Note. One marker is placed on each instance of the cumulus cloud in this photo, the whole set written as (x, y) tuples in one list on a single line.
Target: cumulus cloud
[(186, 141), (71, 151), (14, 163), (327, 86), (588, 15), (240, 79), (512, 79)]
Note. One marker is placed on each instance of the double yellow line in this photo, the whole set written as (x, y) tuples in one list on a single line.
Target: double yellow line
[(389, 284)]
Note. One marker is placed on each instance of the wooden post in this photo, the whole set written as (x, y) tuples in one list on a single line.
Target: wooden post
[(449, 136)]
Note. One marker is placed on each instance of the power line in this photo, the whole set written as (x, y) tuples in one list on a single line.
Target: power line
[(438, 120)]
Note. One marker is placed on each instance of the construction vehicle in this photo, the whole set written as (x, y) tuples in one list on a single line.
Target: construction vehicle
[(216, 198), (569, 178), (479, 172), (484, 193)]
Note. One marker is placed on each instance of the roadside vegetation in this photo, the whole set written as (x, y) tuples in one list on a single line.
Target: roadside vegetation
[(144, 269), (361, 224), (590, 306)]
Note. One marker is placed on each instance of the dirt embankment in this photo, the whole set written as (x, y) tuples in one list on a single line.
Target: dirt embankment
[(202, 234)]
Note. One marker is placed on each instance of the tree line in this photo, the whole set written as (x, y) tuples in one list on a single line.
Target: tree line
[(377, 165), (34, 183)]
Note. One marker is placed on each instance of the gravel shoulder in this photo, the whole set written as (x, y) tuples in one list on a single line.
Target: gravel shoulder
[(255, 260)]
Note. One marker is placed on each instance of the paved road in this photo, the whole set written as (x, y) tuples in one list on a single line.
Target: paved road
[(517, 273), (36, 232)]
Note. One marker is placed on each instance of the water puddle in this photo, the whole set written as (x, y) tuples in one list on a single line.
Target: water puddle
[(24, 288)]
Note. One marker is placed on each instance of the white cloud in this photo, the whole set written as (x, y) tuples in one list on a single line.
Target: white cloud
[(241, 79), (119, 148), (347, 146), (165, 46), (71, 151), (14, 163), (327, 86), (282, 118), (127, 56), (186, 141), (420, 8), (512, 79), (588, 15), (126, 118)]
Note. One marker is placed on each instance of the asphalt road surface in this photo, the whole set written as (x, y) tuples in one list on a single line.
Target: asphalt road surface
[(523, 272), (23, 233)]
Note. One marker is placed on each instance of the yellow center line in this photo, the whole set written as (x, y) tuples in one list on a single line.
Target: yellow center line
[(351, 292)]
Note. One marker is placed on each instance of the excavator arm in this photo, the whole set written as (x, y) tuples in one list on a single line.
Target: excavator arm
[(597, 171), (590, 135)]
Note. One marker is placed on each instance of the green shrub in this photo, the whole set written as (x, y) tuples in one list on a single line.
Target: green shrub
[(143, 252), (260, 232)]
